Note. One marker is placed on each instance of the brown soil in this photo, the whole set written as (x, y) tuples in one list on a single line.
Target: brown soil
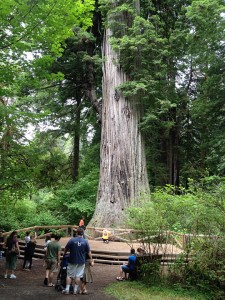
[(29, 285), (120, 246)]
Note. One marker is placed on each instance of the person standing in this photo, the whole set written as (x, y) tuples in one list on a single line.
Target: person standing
[(87, 276), (12, 251), (79, 248), (1, 243), (29, 253), (82, 226), (53, 254), (27, 238)]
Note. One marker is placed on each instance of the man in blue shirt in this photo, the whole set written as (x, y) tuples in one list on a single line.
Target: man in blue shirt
[(78, 248), (131, 266)]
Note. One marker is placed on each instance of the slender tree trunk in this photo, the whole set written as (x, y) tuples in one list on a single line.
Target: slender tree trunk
[(176, 170), (123, 174), (76, 142)]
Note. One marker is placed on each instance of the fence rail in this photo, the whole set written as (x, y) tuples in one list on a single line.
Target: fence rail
[(114, 257), (166, 246), (129, 236)]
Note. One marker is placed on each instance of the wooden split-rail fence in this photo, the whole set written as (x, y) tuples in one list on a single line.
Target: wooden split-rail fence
[(129, 236), (121, 235), (112, 257)]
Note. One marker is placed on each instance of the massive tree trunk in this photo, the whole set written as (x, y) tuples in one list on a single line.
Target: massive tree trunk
[(123, 174)]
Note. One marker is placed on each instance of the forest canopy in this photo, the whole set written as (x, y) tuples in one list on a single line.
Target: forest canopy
[(70, 142)]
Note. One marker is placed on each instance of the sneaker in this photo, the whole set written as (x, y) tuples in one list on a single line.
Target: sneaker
[(12, 276), (5, 276), (65, 292)]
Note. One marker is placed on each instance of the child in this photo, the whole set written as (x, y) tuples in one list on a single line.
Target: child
[(105, 235), (141, 251), (87, 278), (29, 253), (47, 241)]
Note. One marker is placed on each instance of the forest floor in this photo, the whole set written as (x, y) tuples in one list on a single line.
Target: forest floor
[(29, 285)]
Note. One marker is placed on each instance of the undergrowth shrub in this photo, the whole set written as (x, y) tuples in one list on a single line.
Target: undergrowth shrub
[(197, 212), (207, 267), (150, 272)]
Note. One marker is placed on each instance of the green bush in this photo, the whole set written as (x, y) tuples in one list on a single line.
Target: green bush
[(75, 200), (150, 272), (207, 268), (198, 211)]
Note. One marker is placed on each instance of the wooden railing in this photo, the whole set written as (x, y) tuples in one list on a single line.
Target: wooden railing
[(166, 253), (129, 236), (111, 257), (67, 229)]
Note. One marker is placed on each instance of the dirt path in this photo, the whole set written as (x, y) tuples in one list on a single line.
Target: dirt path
[(29, 285)]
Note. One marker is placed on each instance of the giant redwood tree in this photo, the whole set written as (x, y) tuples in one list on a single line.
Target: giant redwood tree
[(123, 174)]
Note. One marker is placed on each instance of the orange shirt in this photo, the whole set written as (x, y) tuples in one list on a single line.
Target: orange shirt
[(81, 223)]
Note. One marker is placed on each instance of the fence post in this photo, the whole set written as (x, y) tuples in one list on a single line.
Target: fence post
[(36, 231)]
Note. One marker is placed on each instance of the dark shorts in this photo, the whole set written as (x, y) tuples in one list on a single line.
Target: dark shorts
[(10, 262), (126, 269)]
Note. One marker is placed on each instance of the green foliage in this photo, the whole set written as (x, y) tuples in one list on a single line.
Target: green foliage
[(38, 27), (66, 204), (48, 217), (205, 271), (173, 55), (150, 272), (78, 199), (27, 213), (7, 217), (51, 162), (198, 211), (27, 50), (190, 211)]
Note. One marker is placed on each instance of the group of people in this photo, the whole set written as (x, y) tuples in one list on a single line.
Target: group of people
[(79, 258), (79, 262), (12, 251)]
